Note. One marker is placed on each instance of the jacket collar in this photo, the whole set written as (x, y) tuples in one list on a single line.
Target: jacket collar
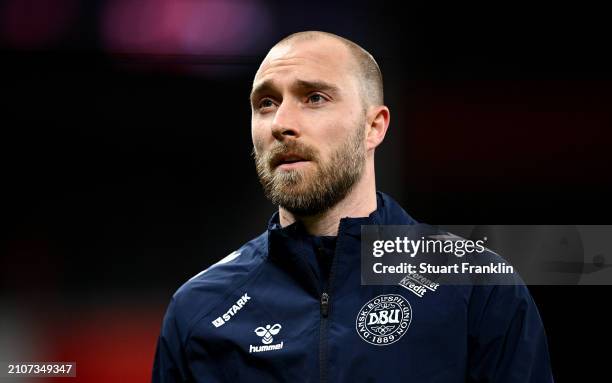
[(291, 238)]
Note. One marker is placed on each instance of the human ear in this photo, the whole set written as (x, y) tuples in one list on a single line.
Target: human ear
[(378, 121)]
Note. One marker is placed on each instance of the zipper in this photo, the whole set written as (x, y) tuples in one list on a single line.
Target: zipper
[(325, 304), (323, 337), (324, 307)]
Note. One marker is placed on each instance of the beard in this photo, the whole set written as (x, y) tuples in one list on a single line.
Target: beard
[(318, 186)]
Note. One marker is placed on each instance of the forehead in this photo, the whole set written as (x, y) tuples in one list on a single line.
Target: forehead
[(320, 59)]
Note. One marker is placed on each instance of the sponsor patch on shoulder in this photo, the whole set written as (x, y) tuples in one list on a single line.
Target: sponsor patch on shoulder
[(418, 284), (240, 303)]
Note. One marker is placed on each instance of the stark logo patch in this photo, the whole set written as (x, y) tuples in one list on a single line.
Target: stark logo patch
[(220, 321)]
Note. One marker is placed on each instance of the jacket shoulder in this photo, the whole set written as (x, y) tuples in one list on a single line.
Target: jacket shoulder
[(203, 292)]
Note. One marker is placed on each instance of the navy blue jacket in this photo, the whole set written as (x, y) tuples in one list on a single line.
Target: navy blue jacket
[(262, 315)]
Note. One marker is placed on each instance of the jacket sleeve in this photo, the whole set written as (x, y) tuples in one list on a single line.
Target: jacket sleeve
[(506, 337), (170, 363)]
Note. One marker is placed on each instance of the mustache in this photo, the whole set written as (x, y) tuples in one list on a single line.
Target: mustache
[(277, 154)]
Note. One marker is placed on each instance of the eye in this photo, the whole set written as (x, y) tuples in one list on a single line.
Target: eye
[(316, 98), (265, 103)]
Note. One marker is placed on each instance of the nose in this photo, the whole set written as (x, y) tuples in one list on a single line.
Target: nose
[(286, 122)]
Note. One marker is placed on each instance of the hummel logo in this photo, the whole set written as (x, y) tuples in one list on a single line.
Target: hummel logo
[(267, 332), (266, 338), (220, 321)]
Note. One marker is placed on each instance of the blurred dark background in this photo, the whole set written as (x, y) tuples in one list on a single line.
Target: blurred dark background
[(126, 151)]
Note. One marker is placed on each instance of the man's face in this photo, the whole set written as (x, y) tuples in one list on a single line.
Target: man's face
[(308, 125)]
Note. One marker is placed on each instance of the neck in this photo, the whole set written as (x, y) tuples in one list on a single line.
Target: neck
[(359, 202)]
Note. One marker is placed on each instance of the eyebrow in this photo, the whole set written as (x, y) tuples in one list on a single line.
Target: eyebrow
[(268, 87)]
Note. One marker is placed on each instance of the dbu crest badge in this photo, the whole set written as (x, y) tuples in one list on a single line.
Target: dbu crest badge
[(384, 319)]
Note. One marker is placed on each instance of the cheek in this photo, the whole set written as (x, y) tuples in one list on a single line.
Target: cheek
[(258, 144), (257, 136), (334, 132)]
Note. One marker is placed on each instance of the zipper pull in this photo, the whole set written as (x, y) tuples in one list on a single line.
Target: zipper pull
[(324, 304)]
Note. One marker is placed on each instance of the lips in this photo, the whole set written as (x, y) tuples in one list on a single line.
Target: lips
[(287, 158), (291, 159)]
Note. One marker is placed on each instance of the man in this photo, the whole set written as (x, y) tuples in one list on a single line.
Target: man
[(289, 306)]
